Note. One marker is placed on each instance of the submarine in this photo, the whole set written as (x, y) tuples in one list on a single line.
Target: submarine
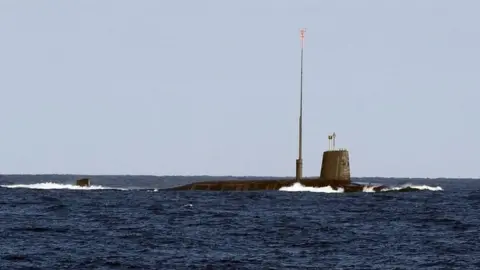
[(334, 172)]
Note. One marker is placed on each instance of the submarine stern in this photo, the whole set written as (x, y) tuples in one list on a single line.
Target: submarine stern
[(84, 182)]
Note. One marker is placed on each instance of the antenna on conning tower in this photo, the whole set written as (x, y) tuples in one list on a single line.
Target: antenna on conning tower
[(331, 141), (298, 175), (333, 137)]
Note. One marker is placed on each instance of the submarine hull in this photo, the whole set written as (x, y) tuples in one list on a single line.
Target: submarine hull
[(335, 172), (255, 185)]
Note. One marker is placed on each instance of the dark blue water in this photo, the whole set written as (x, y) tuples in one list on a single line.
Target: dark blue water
[(140, 228)]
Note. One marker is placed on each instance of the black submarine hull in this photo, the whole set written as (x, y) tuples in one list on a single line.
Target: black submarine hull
[(275, 184)]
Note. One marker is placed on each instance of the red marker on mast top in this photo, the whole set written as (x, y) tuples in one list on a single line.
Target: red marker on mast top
[(302, 35)]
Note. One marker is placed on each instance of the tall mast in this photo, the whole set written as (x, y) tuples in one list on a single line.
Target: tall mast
[(299, 167)]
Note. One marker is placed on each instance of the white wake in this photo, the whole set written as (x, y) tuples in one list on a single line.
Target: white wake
[(51, 185), (297, 187), (420, 187), (368, 189)]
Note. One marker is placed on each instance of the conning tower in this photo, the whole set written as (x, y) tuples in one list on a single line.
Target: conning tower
[(335, 163)]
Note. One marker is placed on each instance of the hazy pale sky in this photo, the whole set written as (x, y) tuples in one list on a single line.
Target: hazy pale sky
[(211, 87)]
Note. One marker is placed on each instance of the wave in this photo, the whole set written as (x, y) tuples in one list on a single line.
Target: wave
[(368, 189), (52, 185), (411, 186), (297, 187)]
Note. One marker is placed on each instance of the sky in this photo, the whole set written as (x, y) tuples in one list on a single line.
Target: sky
[(212, 87)]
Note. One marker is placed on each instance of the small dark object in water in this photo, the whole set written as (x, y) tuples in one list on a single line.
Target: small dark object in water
[(84, 182)]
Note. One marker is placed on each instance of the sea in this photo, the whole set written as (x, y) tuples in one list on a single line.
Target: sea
[(130, 222)]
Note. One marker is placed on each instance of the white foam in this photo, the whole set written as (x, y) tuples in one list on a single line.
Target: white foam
[(297, 187), (368, 189), (420, 187), (51, 185)]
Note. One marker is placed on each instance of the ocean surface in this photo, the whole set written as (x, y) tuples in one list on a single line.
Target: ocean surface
[(128, 222)]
